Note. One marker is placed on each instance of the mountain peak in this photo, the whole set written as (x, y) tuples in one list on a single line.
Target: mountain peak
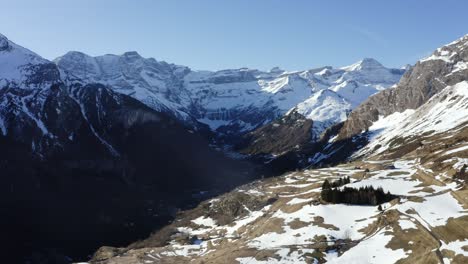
[(370, 61), (406, 67), (461, 40), (23, 68), (131, 54), (4, 43), (72, 56), (366, 63), (276, 70), (76, 54)]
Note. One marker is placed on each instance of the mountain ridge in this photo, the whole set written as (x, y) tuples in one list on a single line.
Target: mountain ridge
[(419, 76), (78, 150), (226, 99), (95, 159), (415, 152)]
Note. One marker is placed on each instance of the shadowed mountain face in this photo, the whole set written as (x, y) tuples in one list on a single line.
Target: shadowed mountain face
[(99, 167), (83, 166), (279, 136)]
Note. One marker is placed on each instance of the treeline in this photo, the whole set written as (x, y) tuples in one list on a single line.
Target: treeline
[(363, 196), (337, 183)]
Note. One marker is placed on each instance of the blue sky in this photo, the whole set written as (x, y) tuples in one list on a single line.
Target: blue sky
[(219, 34)]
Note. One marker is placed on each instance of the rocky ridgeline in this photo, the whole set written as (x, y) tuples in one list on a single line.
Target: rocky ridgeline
[(445, 67)]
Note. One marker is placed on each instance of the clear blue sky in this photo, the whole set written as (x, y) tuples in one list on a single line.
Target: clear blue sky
[(219, 34)]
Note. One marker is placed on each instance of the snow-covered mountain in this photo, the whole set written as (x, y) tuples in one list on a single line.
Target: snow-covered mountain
[(429, 97), (411, 140), (23, 68), (90, 157), (447, 66), (81, 125), (232, 101), (445, 111), (157, 84)]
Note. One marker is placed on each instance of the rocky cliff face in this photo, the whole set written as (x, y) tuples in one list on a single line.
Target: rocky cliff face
[(445, 69), (446, 66), (282, 135), (231, 102), (301, 126), (154, 83)]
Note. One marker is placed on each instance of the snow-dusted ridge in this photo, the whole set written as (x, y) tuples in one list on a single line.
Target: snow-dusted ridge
[(444, 111), (278, 220), (20, 67), (239, 99)]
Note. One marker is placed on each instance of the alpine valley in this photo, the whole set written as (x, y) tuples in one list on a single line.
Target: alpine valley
[(125, 159)]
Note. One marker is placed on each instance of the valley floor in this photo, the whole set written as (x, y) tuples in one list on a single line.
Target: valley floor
[(283, 220)]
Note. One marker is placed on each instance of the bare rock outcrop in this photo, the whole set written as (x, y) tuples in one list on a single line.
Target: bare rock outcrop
[(446, 66)]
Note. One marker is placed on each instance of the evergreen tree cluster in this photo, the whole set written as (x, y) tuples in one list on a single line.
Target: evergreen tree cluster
[(363, 196), (340, 182)]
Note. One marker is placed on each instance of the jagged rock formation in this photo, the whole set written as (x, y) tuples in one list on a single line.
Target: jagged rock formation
[(282, 135), (301, 126), (445, 67), (231, 102)]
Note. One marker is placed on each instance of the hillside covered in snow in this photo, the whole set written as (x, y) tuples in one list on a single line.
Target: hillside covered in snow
[(284, 220)]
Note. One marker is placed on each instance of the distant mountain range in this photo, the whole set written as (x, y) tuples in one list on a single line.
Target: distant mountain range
[(410, 141), (233, 101), (116, 145)]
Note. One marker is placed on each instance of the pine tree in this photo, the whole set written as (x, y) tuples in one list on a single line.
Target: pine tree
[(326, 191), (326, 185)]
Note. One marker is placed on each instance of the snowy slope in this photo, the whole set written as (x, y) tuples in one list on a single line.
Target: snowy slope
[(283, 220), (325, 108), (152, 82), (20, 67), (445, 111), (447, 66), (363, 79), (237, 99)]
